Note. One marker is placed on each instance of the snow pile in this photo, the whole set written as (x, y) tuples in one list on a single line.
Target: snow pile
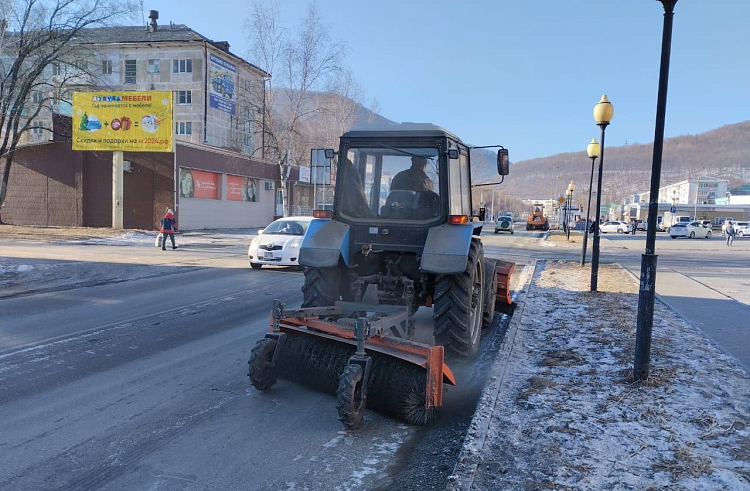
[(569, 416)]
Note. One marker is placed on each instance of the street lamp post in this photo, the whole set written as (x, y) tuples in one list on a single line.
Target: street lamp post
[(593, 152), (603, 113), (566, 225), (571, 188), (648, 259)]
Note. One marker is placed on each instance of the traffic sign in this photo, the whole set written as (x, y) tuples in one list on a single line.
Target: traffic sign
[(561, 200), (672, 210)]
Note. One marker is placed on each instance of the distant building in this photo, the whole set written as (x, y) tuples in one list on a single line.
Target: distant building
[(704, 190)]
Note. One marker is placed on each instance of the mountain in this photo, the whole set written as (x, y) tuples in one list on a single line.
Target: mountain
[(722, 153)]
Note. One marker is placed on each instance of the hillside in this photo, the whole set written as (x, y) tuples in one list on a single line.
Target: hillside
[(723, 153)]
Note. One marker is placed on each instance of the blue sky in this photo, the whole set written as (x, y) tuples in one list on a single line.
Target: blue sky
[(526, 74)]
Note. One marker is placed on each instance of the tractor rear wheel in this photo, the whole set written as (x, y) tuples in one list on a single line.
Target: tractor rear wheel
[(349, 401), (490, 295), (459, 302), (262, 374), (322, 286)]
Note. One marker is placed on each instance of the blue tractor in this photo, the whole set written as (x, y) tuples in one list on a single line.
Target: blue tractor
[(400, 236)]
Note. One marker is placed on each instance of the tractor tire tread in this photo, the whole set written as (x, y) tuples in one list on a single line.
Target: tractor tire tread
[(349, 402), (261, 372), (452, 313)]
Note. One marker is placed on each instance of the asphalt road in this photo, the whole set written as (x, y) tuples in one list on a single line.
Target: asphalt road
[(127, 369)]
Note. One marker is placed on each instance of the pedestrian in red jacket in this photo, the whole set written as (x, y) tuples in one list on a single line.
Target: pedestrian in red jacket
[(168, 227)]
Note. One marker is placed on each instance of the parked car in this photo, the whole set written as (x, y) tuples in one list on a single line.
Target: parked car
[(742, 230), (278, 244), (640, 225), (709, 225), (690, 230), (613, 226), (504, 223)]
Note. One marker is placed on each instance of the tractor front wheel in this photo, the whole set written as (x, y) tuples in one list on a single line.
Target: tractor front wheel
[(459, 302), (322, 286)]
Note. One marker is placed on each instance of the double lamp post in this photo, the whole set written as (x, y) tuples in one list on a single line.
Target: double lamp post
[(593, 152)]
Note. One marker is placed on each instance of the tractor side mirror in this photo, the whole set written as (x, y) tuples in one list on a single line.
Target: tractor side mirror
[(452, 153), (329, 153), (503, 162)]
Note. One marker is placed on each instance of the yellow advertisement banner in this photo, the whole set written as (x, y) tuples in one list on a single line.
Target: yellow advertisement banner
[(123, 121)]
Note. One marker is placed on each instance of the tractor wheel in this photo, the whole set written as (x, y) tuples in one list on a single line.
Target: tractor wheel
[(322, 286), (262, 375), (490, 295), (459, 301), (349, 401)]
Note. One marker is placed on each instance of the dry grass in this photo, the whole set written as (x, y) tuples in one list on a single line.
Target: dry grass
[(684, 464), (21, 232)]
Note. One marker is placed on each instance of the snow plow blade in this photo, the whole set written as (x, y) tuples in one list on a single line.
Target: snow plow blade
[(315, 346)]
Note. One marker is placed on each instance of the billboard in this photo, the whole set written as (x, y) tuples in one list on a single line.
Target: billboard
[(123, 121), (223, 80), (242, 188), (198, 184)]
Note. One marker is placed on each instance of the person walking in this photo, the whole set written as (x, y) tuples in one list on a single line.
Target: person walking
[(635, 226), (724, 228), (730, 234), (168, 227)]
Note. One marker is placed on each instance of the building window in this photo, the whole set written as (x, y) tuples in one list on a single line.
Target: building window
[(184, 97), (182, 66), (130, 71), (56, 69), (184, 128), (37, 97), (38, 129), (153, 66), (82, 65), (106, 67)]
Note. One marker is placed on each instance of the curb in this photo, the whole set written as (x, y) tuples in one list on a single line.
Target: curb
[(463, 473)]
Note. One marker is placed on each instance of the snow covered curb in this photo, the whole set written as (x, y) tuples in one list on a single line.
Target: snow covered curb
[(468, 458), (567, 414)]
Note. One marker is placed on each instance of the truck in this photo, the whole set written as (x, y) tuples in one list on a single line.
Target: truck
[(672, 218), (537, 219), (400, 237)]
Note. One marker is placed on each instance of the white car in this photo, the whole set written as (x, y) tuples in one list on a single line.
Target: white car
[(612, 226), (279, 243), (690, 230), (742, 230)]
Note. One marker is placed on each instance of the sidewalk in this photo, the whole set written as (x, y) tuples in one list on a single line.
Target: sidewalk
[(561, 410)]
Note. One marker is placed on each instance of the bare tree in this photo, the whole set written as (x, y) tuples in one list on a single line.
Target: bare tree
[(301, 64), (38, 37)]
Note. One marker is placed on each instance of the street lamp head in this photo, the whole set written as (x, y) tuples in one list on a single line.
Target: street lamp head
[(603, 111), (593, 149), (572, 186)]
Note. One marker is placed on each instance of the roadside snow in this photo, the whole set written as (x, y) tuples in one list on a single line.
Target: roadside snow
[(569, 415)]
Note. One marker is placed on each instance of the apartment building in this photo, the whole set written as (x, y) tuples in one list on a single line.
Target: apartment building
[(218, 96)]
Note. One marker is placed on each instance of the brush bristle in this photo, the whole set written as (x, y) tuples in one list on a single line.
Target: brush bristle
[(396, 388)]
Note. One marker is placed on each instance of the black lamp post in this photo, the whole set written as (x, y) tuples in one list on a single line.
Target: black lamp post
[(571, 188), (593, 152), (648, 259), (566, 224), (603, 113)]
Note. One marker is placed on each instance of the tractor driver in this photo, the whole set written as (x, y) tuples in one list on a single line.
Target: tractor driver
[(414, 178)]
